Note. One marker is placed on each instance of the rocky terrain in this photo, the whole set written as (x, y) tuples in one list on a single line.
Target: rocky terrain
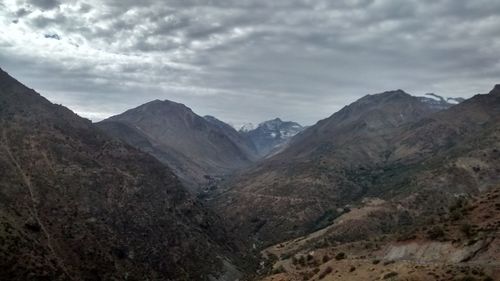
[(391, 187), (391, 146), (76, 204), (198, 149), (463, 245), (271, 136)]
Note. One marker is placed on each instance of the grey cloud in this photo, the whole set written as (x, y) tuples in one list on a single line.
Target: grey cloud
[(43, 21), (45, 4), (22, 12), (249, 60), (52, 36)]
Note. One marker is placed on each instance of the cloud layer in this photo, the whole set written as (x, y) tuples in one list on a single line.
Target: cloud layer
[(243, 60)]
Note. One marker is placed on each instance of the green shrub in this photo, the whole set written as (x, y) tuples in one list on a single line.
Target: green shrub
[(340, 256)]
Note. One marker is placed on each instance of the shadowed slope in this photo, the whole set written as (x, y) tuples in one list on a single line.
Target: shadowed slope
[(78, 205)]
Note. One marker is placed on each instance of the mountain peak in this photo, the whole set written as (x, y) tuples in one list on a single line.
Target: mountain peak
[(247, 127), (271, 135), (386, 95), (164, 103), (155, 109), (496, 90)]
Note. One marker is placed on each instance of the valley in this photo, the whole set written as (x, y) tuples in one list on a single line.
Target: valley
[(391, 187)]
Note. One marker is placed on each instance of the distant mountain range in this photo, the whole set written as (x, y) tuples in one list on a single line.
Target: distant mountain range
[(270, 136)]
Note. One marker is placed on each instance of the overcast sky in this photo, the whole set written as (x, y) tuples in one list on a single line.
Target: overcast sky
[(248, 61)]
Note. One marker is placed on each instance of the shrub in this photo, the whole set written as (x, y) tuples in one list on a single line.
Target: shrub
[(435, 233), (278, 270), (340, 256), (302, 261), (390, 275), (327, 271), (467, 229), (309, 257)]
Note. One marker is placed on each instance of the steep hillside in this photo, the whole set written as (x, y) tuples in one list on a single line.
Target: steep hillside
[(78, 205), (271, 136), (197, 149), (389, 145)]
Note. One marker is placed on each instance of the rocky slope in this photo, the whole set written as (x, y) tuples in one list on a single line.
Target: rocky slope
[(390, 145), (78, 205), (269, 137), (197, 149), (462, 245)]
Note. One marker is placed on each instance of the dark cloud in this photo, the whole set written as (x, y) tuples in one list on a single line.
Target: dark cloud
[(22, 12), (249, 60), (45, 4), (53, 36)]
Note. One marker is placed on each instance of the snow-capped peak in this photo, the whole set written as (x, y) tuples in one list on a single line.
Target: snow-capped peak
[(247, 127)]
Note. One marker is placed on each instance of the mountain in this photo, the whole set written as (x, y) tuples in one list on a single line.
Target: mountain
[(197, 149), (270, 136), (76, 204), (390, 146)]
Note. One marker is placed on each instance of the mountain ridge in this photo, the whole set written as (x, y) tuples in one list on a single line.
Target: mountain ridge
[(78, 205), (198, 149), (362, 150)]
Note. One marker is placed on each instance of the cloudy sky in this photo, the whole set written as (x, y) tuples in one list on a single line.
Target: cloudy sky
[(248, 60)]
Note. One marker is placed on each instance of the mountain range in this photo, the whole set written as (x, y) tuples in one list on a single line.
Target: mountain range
[(390, 145), (392, 186), (79, 205)]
